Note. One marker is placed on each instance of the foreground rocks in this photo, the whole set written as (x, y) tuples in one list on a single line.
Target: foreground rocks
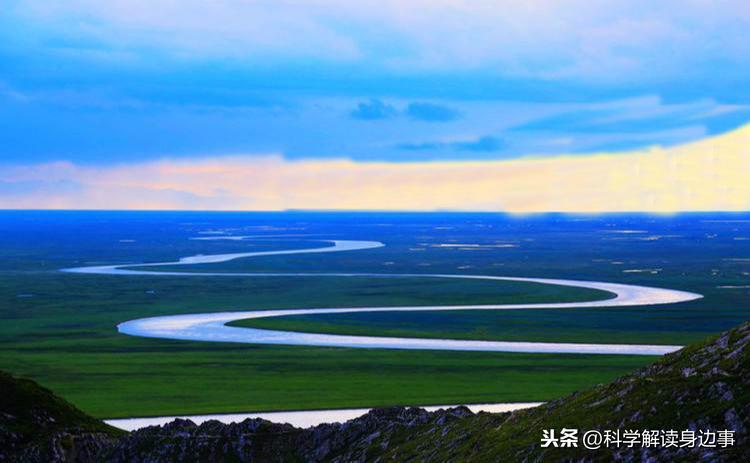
[(257, 440), (702, 387)]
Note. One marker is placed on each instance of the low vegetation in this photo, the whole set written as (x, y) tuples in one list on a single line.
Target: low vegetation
[(705, 386)]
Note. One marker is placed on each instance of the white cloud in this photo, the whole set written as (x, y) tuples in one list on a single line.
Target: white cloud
[(196, 29), (705, 175), (610, 40)]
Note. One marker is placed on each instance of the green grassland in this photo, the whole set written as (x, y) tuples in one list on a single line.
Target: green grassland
[(59, 328), (64, 335), (624, 325), (144, 377)]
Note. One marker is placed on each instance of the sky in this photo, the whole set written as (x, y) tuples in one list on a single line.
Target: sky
[(299, 104)]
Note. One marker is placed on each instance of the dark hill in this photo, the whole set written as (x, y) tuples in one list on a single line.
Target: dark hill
[(38, 426)]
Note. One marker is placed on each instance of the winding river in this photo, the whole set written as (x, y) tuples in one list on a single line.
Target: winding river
[(212, 327)]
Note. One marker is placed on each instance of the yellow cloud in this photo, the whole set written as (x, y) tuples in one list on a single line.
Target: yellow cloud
[(711, 174)]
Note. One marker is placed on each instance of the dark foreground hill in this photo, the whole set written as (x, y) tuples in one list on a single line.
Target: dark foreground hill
[(703, 389), (36, 425)]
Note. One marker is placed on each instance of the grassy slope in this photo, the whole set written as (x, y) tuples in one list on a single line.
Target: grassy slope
[(704, 386), (31, 415), (24, 400)]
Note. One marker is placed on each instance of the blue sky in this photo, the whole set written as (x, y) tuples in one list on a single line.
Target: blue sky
[(94, 82)]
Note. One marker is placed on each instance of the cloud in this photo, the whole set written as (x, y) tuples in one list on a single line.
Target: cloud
[(431, 112), (702, 176), (604, 41), (422, 146), (189, 30), (485, 143), (634, 123), (641, 115), (180, 122), (374, 110)]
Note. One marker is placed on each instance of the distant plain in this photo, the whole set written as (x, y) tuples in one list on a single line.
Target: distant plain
[(60, 328)]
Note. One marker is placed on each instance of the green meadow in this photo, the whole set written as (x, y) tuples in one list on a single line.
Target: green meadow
[(60, 328)]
